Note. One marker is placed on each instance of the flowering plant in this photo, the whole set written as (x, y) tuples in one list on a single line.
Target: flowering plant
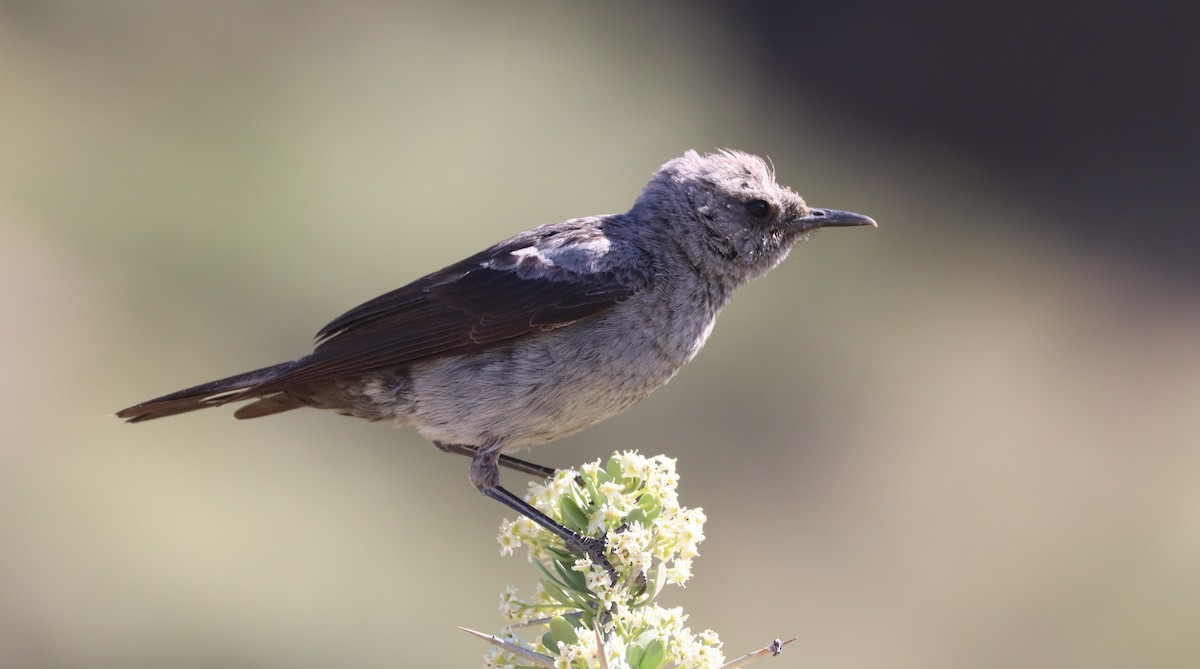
[(603, 616)]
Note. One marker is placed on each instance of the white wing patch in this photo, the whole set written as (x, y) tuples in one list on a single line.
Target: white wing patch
[(578, 256), (528, 258), (532, 254)]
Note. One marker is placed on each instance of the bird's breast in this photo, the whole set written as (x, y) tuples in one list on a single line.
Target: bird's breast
[(555, 383)]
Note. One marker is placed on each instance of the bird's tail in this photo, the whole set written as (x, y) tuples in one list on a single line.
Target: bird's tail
[(211, 394)]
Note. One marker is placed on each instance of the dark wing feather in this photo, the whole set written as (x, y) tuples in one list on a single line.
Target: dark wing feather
[(484, 301)]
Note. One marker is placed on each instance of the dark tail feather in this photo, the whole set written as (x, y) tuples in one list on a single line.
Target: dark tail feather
[(211, 394), (271, 404)]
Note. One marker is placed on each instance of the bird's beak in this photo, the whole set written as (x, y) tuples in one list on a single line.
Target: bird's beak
[(832, 218)]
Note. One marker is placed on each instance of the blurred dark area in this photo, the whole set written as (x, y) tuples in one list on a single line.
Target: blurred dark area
[(1090, 110)]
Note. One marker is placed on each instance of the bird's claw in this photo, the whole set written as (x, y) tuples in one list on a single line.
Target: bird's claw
[(593, 548)]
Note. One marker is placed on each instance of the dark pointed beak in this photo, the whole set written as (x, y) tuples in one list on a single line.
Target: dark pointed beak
[(833, 218)]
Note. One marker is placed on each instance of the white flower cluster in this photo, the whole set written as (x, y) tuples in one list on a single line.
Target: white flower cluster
[(650, 542)]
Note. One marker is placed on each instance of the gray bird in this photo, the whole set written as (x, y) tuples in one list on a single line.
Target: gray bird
[(546, 333)]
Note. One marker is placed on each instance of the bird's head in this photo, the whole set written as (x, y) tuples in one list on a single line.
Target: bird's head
[(729, 214)]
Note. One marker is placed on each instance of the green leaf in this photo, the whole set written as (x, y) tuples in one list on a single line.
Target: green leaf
[(614, 467), (658, 581), (562, 630), (573, 580), (651, 506), (561, 592), (653, 656), (583, 499), (633, 655), (549, 642), (546, 573), (638, 515), (572, 516), (557, 594), (598, 498)]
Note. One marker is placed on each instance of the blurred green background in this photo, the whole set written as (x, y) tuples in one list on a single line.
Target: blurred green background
[(967, 438)]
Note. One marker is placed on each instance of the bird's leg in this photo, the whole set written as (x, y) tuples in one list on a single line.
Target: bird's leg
[(524, 466), (485, 475)]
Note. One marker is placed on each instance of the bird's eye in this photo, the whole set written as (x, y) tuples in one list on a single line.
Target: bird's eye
[(760, 209)]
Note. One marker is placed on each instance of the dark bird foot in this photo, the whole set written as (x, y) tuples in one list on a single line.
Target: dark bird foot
[(593, 548)]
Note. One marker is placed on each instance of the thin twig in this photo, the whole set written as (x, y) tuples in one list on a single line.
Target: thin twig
[(774, 648), (601, 654), (574, 615), (537, 658)]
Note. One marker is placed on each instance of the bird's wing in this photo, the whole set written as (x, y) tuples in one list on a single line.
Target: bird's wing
[(541, 280)]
